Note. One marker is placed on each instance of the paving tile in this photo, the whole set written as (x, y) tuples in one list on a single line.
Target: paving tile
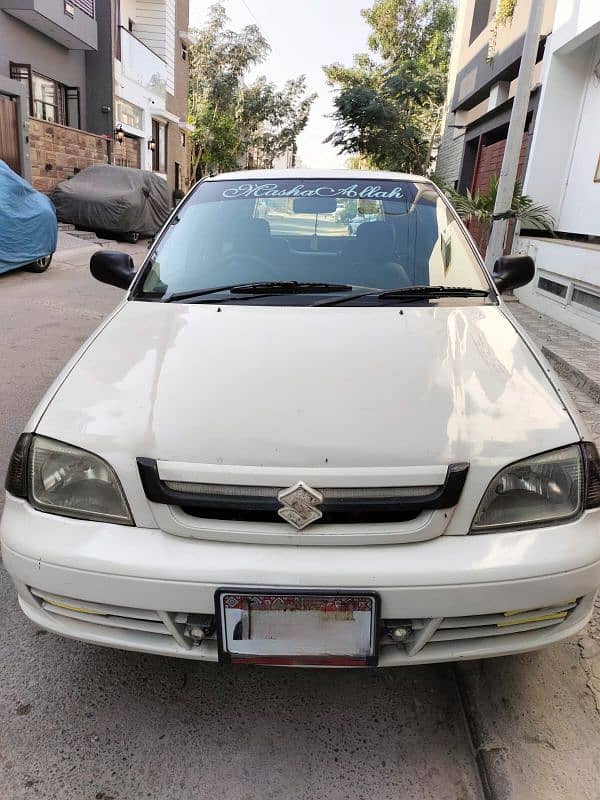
[(576, 356), (579, 356), (576, 352)]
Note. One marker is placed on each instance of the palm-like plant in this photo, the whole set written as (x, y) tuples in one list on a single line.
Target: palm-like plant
[(479, 207)]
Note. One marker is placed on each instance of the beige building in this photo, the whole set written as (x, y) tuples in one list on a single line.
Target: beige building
[(484, 68), (560, 155)]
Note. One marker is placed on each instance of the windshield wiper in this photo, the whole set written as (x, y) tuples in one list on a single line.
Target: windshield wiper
[(411, 293), (275, 287), (262, 288), (432, 291)]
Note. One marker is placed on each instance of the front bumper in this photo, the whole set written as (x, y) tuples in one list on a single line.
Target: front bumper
[(166, 578)]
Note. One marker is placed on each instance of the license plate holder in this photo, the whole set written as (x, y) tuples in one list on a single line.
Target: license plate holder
[(297, 627)]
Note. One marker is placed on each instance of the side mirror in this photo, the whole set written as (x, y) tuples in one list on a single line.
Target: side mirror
[(116, 269), (511, 272)]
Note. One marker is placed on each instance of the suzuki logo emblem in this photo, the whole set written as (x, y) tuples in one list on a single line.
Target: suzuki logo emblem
[(300, 505)]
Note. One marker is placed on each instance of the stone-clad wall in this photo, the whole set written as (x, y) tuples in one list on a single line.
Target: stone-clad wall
[(127, 153), (449, 158), (56, 152)]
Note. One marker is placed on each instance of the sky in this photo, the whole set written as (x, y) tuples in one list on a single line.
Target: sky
[(303, 37)]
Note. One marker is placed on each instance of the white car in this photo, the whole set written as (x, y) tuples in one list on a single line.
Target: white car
[(283, 448)]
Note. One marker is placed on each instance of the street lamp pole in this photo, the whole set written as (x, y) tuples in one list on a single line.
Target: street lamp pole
[(516, 128)]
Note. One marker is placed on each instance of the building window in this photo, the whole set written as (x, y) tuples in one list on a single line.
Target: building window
[(182, 138), (177, 176), (587, 299), (128, 114), (22, 73), (87, 6), (49, 100), (481, 17), (184, 51), (73, 106), (159, 154), (553, 287)]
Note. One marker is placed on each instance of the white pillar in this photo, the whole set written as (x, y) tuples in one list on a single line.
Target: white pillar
[(516, 129)]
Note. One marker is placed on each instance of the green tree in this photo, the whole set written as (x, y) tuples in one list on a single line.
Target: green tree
[(272, 118), (233, 121), (389, 102), (479, 206)]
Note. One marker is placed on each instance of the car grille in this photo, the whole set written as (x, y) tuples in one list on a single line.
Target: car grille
[(358, 509), (339, 505), (423, 634)]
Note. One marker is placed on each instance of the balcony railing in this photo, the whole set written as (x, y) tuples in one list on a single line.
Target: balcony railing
[(142, 65)]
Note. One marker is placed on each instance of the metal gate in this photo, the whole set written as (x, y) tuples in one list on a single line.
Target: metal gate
[(488, 163), (9, 132)]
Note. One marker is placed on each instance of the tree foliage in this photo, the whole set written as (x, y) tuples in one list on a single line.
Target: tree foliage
[(234, 122), (389, 101)]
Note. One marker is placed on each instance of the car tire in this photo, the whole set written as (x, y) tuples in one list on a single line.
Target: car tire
[(40, 264), (132, 237)]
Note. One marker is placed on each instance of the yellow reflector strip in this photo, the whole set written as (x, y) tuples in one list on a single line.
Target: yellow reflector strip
[(525, 610), (540, 618), (73, 608)]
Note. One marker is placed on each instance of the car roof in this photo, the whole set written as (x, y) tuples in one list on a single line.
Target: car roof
[(324, 174)]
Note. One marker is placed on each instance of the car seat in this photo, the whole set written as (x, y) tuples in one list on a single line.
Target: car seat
[(371, 257)]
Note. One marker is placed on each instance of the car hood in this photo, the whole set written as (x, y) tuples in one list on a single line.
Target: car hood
[(309, 387)]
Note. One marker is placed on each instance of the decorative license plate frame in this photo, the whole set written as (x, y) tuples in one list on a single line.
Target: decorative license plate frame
[(280, 627)]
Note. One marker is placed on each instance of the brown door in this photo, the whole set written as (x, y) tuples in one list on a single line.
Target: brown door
[(9, 133)]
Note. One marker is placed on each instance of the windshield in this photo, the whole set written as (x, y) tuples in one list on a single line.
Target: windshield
[(361, 233)]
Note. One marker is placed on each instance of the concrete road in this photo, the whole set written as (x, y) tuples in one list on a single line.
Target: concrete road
[(80, 722)]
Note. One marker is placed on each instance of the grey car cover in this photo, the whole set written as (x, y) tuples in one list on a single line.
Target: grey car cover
[(115, 199)]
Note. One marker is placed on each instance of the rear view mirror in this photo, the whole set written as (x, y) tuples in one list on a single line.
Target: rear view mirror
[(114, 268), (314, 205), (511, 272)]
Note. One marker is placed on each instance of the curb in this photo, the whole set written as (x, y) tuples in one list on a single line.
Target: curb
[(572, 373), (490, 755)]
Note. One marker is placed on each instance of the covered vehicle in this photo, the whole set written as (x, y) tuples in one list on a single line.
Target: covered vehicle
[(28, 228), (121, 201)]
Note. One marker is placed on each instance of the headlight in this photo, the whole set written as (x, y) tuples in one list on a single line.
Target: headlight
[(61, 479), (542, 490)]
